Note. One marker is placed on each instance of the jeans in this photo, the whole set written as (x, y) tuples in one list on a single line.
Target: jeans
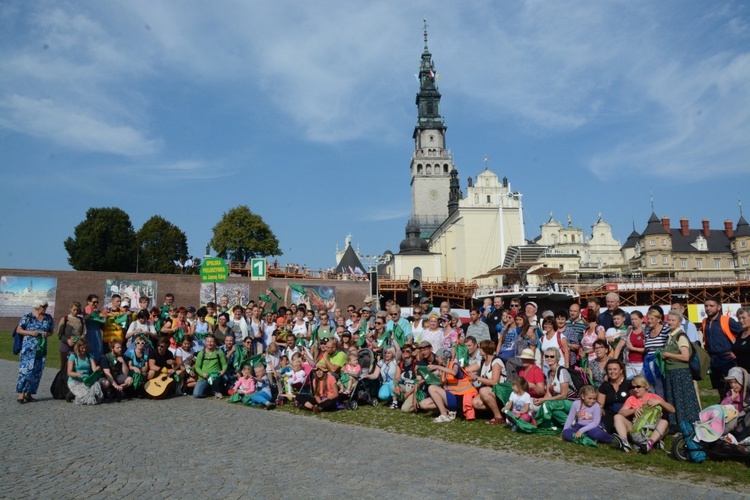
[(259, 398), (597, 434), (203, 388)]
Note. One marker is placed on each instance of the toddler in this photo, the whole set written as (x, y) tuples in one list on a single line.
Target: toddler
[(584, 418), (349, 374), (245, 383), (262, 395), (519, 403)]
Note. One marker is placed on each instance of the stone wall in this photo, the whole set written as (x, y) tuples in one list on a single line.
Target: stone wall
[(77, 285)]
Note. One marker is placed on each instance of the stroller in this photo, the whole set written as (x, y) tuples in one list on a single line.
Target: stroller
[(721, 431), (364, 388)]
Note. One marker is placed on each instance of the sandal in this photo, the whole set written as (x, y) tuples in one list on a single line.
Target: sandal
[(441, 419), (21, 400), (494, 421), (29, 399)]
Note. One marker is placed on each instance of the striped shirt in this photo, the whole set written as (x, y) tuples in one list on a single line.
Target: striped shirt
[(658, 342)]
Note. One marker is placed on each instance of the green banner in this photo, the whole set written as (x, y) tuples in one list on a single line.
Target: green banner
[(214, 270)]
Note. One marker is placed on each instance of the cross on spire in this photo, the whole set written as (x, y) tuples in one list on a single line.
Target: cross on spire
[(425, 32), (486, 162)]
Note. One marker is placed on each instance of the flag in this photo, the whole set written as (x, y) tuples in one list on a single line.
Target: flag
[(189, 263), (179, 335), (264, 298), (298, 288), (177, 263), (429, 377), (274, 292), (432, 75)]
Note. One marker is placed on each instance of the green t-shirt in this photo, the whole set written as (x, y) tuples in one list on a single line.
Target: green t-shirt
[(338, 359), (208, 363)]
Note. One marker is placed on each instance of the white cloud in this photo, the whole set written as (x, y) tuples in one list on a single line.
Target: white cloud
[(72, 127)]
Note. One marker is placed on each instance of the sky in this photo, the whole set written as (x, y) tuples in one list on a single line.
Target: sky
[(304, 111)]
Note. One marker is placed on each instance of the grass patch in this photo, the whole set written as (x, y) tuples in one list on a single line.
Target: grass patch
[(723, 473)]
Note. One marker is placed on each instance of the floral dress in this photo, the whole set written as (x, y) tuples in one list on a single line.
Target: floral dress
[(33, 353)]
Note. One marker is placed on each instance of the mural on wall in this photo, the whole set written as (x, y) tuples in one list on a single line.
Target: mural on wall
[(316, 296), (131, 289), (18, 292)]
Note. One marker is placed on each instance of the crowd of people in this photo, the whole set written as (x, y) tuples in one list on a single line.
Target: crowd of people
[(604, 368)]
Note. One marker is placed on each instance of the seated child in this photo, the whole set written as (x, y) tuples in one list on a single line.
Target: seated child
[(519, 403), (737, 394), (349, 374), (245, 383), (585, 417)]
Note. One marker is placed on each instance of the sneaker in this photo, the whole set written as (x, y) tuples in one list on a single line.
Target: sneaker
[(660, 445), (270, 406), (219, 395), (645, 447), (394, 405), (514, 428), (618, 442), (442, 419)]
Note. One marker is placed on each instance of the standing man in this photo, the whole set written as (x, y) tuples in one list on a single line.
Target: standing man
[(613, 303), (223, 304), (493, 318), (476, 327), (719, 333), (687, 326), (574, 328), (113, 330), (530, 310)]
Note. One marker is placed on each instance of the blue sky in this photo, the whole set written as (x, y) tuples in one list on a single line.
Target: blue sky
[(304, 112)]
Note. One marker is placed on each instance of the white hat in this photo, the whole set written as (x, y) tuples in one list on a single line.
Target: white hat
[(527, 354), (737, 374)]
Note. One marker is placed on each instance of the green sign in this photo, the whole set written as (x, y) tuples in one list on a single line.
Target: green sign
[(258, 269), (214, 270)]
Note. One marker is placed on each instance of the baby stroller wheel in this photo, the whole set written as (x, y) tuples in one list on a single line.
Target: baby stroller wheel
[(679, 448), (352, 404), (374, 402)]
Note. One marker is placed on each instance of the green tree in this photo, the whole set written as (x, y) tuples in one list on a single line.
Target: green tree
[(160, 243), (104, 241), (241, 234)]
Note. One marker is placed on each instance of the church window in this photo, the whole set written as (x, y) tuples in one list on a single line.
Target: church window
[(476, 199), (489, 200), (432, 138), (428, 169), (429, 110), (445, 168), (663, 242), (419, 168), (565, 238)]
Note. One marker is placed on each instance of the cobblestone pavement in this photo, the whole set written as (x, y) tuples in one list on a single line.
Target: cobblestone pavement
[(208, 448)]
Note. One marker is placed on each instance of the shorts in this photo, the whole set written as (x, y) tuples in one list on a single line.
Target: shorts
[(452, 401)]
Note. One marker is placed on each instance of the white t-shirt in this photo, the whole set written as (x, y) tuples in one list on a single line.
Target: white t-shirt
[(518, 402), (433, 337)]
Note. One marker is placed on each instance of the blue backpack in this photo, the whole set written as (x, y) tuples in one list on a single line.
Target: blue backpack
[(17, 342)]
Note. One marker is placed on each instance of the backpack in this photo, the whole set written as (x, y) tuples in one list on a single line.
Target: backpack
[(578, 377), (699, 361), (644, 425), (18, 339), (59, 387)]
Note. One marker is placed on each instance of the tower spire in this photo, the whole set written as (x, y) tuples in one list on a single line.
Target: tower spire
[(425, 33)]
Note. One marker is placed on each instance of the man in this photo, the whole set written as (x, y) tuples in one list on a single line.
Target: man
[(613, 303), (687, 326), (474, 362), (574, 328), (530, 310), (333, 358), (168, 302), (161, 359), (223, 304), (211, 316), (476, 327), (494, 318), (397, 322), (405, 386), (350, 309), (719, 333), (112, 329), (593, 304), (143, 302), (424, 304), (426, 357), (323, 330), (116, 375), (210, 366), (369, 300)]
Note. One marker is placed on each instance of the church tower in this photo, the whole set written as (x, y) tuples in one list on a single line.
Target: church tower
[(431, 163)]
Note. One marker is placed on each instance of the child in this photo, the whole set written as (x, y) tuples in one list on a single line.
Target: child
[(245, 384), (349, 374), (262, 395), (584, 418), (737, 380), (519, 402), (618, 331), (486, 309)]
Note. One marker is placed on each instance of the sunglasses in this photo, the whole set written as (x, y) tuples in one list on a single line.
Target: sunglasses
[(515, 305), (140, 343), (638, 387), (547, 356), (379, 323)]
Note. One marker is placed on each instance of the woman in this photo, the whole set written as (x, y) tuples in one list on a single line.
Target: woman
[(71, 326), (324, 392), (597, 369), (507, 334), (634, 346), (388, 371), (221, 328), (491, 373), (80, 366), (138, 362), (741, 347), (452, 331), (554, 339), (93, 326), (418, 324), (633, 408), (678, 381), (593, 333), (376, 338), (612, 393), (180, 321), (235, 323), (300, 327), (455, 384), (201, 328), (433, 333), (141, 326), (656, 337), (34, 327), (558, 385)]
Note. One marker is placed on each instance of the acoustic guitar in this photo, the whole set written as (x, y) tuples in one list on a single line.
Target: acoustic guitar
[(159, 386)]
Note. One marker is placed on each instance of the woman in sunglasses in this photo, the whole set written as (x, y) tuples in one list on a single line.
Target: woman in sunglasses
[(559, 385), (633, 408)]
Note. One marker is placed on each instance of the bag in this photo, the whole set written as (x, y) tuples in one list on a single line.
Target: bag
[(17, 342), (699, 361), (59, 387), (695, 450), (644, 425), (578, 377)]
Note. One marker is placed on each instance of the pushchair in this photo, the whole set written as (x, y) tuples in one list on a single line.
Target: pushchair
[(365, 390)]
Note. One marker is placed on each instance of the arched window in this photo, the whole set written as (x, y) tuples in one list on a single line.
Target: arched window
[(419, 168), (428, 169)]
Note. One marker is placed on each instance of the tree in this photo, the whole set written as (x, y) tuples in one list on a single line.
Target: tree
[(104, 241), (241, 235), (160, 243)]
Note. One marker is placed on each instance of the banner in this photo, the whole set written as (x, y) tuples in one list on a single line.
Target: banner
[(317, 297), (18, 292), (132, 290), (228, 289)]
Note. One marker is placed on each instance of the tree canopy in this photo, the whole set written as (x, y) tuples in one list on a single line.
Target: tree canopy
[(104, 241), (241, 235), (161, 243)]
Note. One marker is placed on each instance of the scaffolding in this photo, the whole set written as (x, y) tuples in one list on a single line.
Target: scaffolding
[(654, 291)]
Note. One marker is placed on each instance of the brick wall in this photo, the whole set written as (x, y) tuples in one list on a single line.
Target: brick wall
[(77, 285)]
